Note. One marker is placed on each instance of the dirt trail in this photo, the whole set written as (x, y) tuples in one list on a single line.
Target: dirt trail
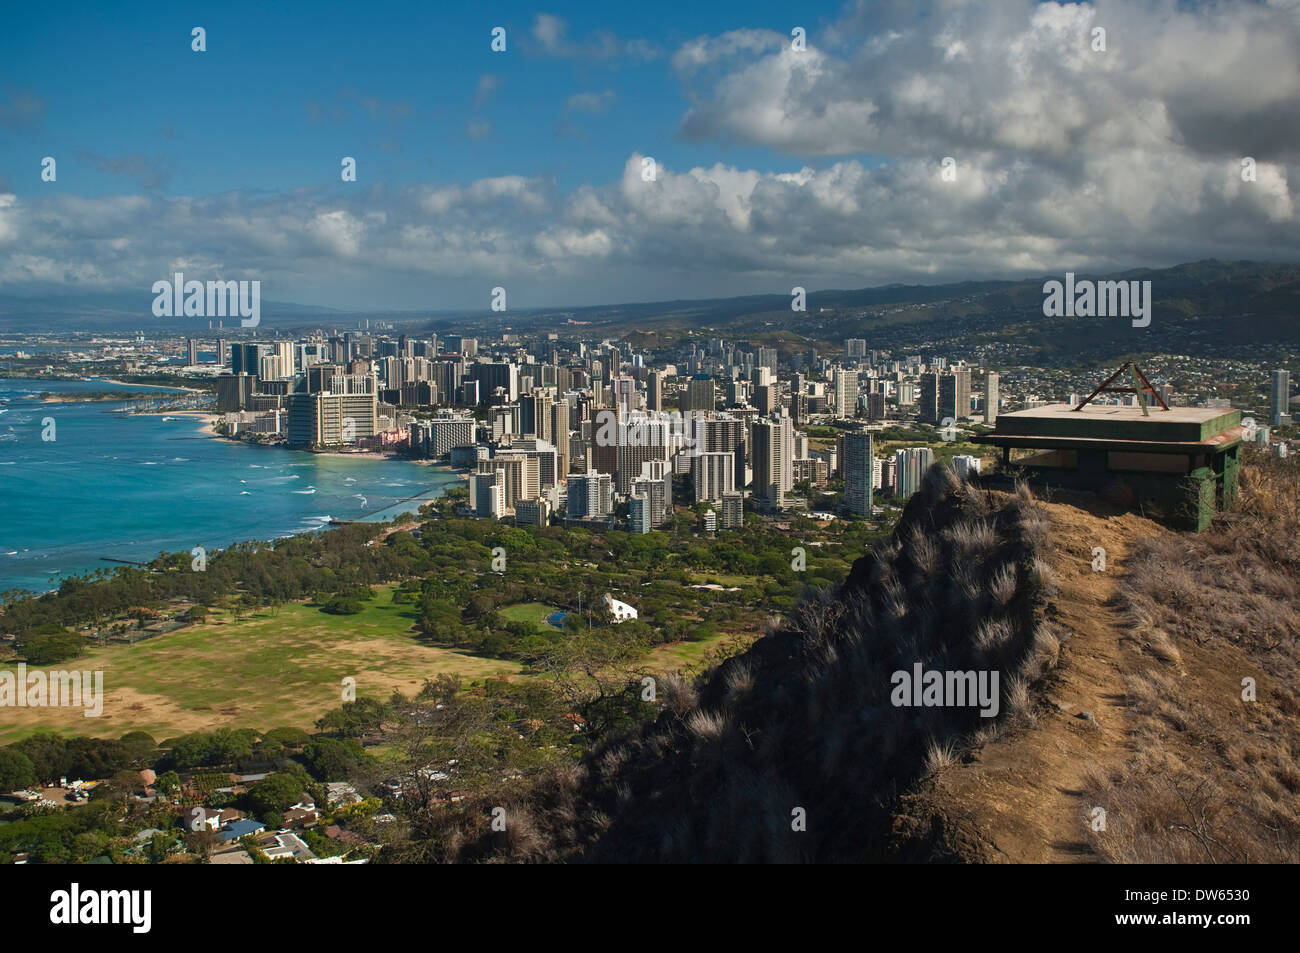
[(1020, 800)]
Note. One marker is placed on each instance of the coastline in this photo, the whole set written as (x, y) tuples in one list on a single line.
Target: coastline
[(206, 419), (374, 454), (98, 398), (272, 511), (107, 380)]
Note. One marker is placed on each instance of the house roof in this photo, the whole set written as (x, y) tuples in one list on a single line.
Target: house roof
[(241, 828)]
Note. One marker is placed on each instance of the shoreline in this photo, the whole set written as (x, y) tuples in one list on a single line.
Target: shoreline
[(189, 390), (208, 420), (431, 489), (374, 454), (93, 398)]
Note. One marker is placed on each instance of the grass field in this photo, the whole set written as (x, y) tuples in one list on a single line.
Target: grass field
[(689, 658), (681, 655), (724, 579), (535, 612), (272, 669)]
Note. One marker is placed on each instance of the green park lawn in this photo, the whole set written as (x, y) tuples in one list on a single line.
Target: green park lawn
[(535, 612), (276, 668)]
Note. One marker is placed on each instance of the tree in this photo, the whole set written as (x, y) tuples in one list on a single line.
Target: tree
[(168, 783), (137, 746), (201, 842), (16, 770), (50, 649), (275, 794), (277, 739), (120, 786), (351, 719), (48, 754), (230, 745), (329, 759), (597, 678), (340, 605), (188, 751)]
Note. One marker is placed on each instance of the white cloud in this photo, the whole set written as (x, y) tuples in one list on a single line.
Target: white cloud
[(488, 84), (591, 102), (338, 232), (551, 33), (1019, 76)]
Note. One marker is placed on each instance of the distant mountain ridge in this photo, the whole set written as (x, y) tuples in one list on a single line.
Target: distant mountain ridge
[(120, 310), (1201, 288)]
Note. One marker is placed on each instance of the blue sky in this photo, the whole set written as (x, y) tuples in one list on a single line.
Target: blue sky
[(284, 91), (777, 165)]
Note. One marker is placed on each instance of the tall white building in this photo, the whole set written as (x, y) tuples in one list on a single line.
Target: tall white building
[(641, 439), (590, 495), (548, 461), (846, 392), (287, 353), (773, 455), (991, 397), (439, 436), (911, 464), (487, 493), (533, 512), (713, 474), (655, 484), (522, 475)]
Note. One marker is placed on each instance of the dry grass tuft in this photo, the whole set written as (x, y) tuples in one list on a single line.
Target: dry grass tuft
[(706, 725), (1003, 585), (939, 756)]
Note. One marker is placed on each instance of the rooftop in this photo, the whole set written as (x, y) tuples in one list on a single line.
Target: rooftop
[(1176, 427)]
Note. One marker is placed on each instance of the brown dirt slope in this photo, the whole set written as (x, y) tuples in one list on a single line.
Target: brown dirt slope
[(1020, 798)]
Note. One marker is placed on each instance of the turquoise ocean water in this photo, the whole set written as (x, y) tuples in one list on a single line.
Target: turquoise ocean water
[(129, 487)]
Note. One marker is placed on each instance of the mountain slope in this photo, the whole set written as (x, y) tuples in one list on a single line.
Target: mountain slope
[(1019, 799), (1176, 765)]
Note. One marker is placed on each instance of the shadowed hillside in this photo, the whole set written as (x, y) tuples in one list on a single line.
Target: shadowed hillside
[(804, 719)]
